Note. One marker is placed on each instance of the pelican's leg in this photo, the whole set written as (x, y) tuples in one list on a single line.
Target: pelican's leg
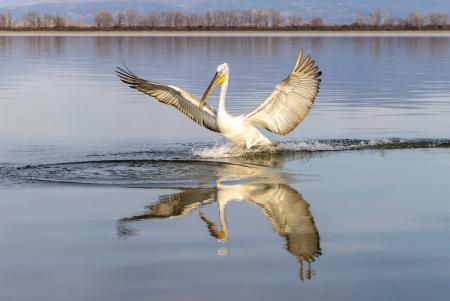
[(300, 269), (310, 272)]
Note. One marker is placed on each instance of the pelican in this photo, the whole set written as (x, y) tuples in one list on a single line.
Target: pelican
[(287, 106)]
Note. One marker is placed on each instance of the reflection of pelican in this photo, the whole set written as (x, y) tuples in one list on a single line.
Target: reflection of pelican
[(283, 206), (280, 113)]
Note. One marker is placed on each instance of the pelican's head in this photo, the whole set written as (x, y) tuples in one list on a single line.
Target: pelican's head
[(220, 76)]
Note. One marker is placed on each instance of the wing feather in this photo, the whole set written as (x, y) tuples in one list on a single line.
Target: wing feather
[(290, 101), (174, 96)]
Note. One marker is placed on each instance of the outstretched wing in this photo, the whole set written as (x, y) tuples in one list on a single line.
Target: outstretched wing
[(172, 205), (174, 96), (177, 204), (290, 101)]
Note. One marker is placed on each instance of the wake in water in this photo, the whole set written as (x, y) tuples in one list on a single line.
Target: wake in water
[(191, 165), (320, 145)]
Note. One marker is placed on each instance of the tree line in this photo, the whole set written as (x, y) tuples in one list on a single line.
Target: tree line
[(32, 20), (379, 19), (218, 19), (211, 19)]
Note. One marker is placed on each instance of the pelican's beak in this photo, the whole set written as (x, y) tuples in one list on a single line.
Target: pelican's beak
[(218, 79), (221, 235)]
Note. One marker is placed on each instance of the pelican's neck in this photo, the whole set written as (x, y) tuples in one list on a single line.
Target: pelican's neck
[(223, 219), (223, 94)]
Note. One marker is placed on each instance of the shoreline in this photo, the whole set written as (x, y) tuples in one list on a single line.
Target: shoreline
[(229, 33)]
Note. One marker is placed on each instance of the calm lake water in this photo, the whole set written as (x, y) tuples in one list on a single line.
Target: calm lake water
[(106, 194)]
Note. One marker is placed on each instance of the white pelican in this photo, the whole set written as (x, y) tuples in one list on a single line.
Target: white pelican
[(287, 106)]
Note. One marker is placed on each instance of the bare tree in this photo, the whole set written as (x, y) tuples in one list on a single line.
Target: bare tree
[(132, 18), (103, 19), (437, 20), (120, 20), (389, 19), (276, 20), (415, 20), (6, 20), (402, 24), (219, 19), (294, 21), (179, 20), (153, 20), (246, 18), (33, 20), (196, 20), (47, 21), (168, 19), (376, 17), (59, 22), (361, 20), (209, 19), (317, 22), (261, 19)]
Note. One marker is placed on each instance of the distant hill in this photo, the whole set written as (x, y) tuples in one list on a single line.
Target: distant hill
[(343, 11)]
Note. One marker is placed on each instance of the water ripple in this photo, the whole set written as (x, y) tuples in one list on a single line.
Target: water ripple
[(193, 164)]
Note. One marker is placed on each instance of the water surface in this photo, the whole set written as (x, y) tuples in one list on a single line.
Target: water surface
[(109, 195)]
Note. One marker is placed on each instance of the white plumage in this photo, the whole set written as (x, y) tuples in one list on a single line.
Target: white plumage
[(280, 113)]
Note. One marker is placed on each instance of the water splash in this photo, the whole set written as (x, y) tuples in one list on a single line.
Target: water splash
[(229, 150), (320, 145)]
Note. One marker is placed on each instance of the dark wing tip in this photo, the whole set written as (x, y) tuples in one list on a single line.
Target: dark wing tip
[(128, 77), (317, 75)]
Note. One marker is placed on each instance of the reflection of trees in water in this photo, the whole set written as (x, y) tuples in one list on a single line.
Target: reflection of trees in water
[(104, 46), (5, 47), (285, 208), (36, 46)]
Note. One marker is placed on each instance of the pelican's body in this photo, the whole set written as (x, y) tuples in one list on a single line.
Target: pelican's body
[(283, 110), (240, 132)]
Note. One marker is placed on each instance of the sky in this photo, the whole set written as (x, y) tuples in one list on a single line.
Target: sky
[(21, 2)]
